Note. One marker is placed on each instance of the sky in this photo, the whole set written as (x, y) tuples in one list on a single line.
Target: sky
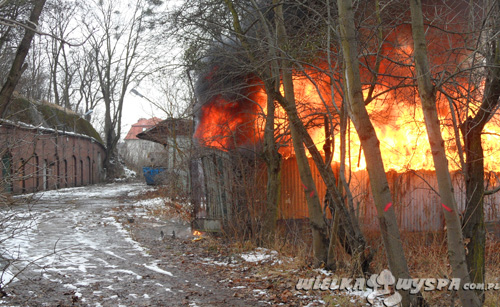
[(135, 107), (164, 91), (152, 92)]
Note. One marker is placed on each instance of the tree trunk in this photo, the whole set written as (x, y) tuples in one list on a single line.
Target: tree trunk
[(316, 220), (473, 221), (273, 161), (370, 143), (18, 66), (111, 163), (349, 229), (349, 232), (456, 250)]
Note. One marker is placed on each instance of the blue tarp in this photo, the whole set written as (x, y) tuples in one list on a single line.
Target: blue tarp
[(151, 174)]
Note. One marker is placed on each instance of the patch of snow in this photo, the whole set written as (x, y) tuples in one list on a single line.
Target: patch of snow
[(6, 277), (259, 254), (129, 173), (126, 272), (113, 254), (315, 303), (48, 277), (323, 272), (145, 188), (152, 202), (154, 267), (219, 263), (27, 126), (259, 292), (84, 192), (70, 286)]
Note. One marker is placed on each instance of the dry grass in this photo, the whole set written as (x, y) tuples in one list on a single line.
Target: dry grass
[(174, 207), (426, 253), (427, 256), (173, 210), (344, 300)]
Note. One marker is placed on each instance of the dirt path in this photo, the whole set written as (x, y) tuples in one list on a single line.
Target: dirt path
[(93, 246)]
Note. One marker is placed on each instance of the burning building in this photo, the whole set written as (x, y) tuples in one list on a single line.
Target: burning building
[(232, 107)]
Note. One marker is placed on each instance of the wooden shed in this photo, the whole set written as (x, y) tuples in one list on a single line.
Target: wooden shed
[(415, 197)]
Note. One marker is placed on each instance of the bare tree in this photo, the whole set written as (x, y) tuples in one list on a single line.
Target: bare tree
[(18, 66), (10, 13), (87, 85), (472, 128), (63, 59), (118, 53), (369, 141), (33, 82), (427, 92), (278, 51)]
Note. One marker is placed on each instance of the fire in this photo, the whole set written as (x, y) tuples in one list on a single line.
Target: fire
[(224, 125), (399, 125), (395, 113), (197, 233)]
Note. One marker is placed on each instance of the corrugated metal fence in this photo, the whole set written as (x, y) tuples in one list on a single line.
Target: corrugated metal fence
[(415, 201)]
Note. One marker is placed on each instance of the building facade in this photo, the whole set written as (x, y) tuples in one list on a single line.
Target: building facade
[(44, 147), (138, 153), (36, 159), (174, 135)]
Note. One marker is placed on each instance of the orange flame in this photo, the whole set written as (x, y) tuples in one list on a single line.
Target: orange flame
[(395, 113), (400, 128)]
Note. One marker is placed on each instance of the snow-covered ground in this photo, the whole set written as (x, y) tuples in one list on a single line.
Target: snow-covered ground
[(73, 240), (80, 246)]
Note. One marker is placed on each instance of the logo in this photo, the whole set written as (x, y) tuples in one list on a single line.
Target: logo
[(385, 286), (382, 285)]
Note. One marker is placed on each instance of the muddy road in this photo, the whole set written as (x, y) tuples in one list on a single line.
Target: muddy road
[(97, 246)]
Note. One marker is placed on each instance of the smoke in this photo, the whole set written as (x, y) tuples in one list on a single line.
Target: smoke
[(227, 103), (226, 83)]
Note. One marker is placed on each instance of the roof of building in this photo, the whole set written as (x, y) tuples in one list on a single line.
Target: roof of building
[(168, 128), (48, 116), (141, 125)]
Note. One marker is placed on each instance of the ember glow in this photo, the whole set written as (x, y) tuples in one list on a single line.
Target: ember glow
[(395, 112)]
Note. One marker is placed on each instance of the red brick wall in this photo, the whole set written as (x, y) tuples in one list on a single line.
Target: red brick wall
[(42, 159)]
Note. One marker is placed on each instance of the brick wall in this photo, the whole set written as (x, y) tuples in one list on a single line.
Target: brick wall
[(36, 159)]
